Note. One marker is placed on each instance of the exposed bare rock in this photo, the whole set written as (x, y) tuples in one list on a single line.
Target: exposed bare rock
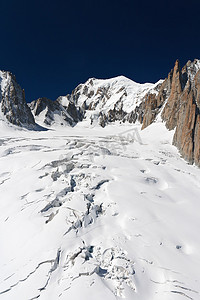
[(187, 135), (172, 107), (151, 109), (197, 141), (12, 101), (183, 137), (178, 101), (75, 112), (153, 103)]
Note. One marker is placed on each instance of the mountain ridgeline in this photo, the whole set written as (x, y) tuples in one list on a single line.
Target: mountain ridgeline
[(175, 101)]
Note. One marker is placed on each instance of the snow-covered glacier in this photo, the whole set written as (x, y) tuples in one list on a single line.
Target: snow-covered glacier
[(97, 213)]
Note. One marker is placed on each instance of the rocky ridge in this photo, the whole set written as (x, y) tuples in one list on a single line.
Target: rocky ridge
[(13, 106), (178, 103), (57, 112)]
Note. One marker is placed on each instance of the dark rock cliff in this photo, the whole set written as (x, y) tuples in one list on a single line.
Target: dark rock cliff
[(12, 101), (179, 103)]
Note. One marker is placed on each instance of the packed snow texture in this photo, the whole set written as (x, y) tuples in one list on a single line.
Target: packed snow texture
[(93, 213)]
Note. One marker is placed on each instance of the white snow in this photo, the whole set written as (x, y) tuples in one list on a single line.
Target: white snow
[(93, 213), (193, 68), (3, 80), (110, 91), (64, 101)]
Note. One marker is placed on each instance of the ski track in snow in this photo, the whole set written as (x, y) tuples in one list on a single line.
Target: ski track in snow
[(92, 212)]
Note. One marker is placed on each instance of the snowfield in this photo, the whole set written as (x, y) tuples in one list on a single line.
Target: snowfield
[(97, 213)]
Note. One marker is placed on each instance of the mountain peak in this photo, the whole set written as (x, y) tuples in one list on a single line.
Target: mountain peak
[(13, 106)]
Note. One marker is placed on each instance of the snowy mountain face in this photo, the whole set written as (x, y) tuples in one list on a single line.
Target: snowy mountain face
[(102, 212), (55, 113), (98, 101), (116, 99), (13, 106)]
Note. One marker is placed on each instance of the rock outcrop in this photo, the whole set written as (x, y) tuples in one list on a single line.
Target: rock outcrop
[(178, 102), (12, 101), (187, 135), (59, 112), (75, 112), (152, 103)]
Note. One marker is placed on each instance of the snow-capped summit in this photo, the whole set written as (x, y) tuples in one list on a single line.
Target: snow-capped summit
[(13, 106), (100, 100), (109, 100), (103, 94)]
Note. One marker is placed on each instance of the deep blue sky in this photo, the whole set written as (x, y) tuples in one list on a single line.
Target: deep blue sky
[(52, 46)]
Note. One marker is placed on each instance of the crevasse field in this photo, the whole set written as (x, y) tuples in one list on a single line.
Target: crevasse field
[(90, 213)]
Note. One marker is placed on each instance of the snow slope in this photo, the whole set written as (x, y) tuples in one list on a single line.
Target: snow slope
[(93, 213)]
